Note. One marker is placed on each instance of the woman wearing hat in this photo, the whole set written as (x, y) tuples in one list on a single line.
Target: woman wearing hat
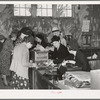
[(20, 64), (24, 32)]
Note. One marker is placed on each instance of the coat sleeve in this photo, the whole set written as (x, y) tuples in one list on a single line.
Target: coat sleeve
[(58, 61)]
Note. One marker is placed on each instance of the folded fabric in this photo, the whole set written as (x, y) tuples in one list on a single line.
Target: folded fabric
[(78, 78), (68, 61)]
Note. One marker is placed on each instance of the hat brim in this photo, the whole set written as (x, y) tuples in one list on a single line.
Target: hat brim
[(53, 41), (55, 30)]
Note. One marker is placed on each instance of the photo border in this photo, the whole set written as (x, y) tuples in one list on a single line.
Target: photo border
[(49, 94)]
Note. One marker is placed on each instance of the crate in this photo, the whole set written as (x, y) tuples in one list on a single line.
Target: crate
[(41, 56)]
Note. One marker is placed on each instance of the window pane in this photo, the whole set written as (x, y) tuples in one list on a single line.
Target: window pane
[(39, 6), (28, 5), (28, 13), (49, 12), (69, 13), (44, 6), (16, 5), (69, 6), (63, 13), (44, 10), (22, 9), (39, 12), (65, 10), (59, 6), (63, 7), (22, 5), (49, 5), (16, 11), (22, 12), (44, 13)]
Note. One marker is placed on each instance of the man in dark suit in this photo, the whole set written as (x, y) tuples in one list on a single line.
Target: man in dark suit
[(60, 52), (82, 61), (79, 57)]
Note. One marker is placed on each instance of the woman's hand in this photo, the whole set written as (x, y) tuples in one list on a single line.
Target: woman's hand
[(33, 64)]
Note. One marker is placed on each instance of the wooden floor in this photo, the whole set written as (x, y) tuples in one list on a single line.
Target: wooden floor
[(2, 86)]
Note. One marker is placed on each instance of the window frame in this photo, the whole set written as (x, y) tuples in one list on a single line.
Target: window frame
[(24, 7), (67, 9), (46, 10), (66, 16)]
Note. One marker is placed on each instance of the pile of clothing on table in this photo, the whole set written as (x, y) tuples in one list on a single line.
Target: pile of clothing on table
[(77, 79)]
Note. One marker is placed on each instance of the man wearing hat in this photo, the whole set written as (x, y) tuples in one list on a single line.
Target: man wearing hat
[(60, 51), (60, 54), (55, 31)]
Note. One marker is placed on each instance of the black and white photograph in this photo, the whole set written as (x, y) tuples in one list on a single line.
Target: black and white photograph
[(50, 46)]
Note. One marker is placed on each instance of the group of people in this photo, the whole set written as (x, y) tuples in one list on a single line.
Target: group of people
[(14, 58), (15, 54), (66, 51)]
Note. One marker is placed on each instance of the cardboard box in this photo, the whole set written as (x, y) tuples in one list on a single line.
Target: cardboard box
[(41, 56)]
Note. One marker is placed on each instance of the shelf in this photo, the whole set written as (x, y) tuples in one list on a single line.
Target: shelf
[(93, 59)]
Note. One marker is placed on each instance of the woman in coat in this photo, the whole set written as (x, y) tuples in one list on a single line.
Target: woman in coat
[(5, 57)]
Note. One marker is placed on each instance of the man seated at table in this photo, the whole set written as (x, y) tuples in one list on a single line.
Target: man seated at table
[(79, 57)]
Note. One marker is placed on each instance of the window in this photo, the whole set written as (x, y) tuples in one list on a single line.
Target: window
[(64, 10), (22, 9), (44, 10)]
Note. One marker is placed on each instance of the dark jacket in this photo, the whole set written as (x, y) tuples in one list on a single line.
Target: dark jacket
[(59, 55), (81, 61)]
